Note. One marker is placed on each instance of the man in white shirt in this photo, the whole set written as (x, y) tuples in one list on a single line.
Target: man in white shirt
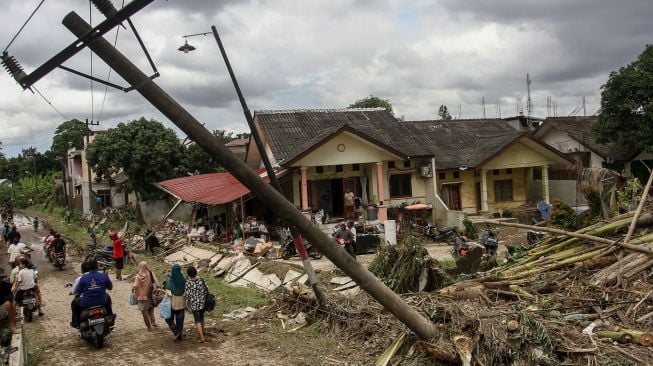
[(26, 280), (15, 250)]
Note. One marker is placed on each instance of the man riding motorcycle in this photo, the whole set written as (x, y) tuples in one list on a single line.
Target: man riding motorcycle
[(346, 238), (26, 281), (92, 288), (59, 246)]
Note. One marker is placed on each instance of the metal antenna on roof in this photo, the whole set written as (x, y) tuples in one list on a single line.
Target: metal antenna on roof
[(529, 102), (483, 106), (584, 108)]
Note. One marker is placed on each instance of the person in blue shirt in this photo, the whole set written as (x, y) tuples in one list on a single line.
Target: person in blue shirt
[(92, 288)]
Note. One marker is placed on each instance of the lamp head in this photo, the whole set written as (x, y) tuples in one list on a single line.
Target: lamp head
[(185, 48)]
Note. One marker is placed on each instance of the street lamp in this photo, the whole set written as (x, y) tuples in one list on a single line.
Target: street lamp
[(185, 48)]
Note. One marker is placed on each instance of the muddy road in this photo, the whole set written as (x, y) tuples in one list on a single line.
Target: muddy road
[(51, 341)]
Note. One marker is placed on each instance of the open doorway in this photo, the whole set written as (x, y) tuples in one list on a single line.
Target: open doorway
[(451, 196)]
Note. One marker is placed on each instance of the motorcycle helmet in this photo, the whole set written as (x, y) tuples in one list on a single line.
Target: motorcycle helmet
[(113, 235)]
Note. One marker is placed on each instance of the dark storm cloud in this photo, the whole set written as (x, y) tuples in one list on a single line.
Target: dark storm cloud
[(595, 37)]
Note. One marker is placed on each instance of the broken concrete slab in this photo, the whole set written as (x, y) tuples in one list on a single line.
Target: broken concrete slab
[(239, 313), (340, 280), (189, 255), (352, 292), (345, 286), (262, 281), (303, 279), (290, 276), (215, 260), (241, 266)]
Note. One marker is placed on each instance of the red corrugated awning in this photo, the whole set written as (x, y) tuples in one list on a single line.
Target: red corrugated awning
[(210, 189)]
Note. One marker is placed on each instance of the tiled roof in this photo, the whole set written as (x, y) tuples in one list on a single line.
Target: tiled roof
[(460, 143), (580, 129), (291, 132), (237, 142), (452, 143)]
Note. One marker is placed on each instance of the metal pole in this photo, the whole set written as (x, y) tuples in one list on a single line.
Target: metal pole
[(297, 239), (209, 143), (248, 116)]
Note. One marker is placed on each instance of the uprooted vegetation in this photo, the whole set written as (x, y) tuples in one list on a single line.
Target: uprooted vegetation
[(566, 300)]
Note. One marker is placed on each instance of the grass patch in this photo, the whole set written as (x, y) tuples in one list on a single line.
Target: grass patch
[(447, 263)]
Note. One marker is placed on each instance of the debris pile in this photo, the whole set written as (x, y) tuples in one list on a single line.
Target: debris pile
[(582, 297)]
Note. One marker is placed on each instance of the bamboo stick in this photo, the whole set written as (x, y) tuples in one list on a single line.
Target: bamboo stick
[(627, 336), (581, 236)]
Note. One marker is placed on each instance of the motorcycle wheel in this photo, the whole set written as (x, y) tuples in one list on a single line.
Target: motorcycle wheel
[(316, 255), (27, 315), (286, 255), (99, 341)]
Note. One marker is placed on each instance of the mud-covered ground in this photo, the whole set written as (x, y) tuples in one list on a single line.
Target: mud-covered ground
[(51, 341)]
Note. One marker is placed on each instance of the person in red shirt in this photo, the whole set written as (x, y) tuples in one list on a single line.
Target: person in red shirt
[(118, 253)]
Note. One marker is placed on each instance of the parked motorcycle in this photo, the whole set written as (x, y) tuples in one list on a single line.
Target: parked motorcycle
[(29, 304), (95, 324), (435, 234), (461, 246), (534, 237), (490, 241), (289, 250)]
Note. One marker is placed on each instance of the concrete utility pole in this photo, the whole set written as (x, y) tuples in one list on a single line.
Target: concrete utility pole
[(209, 143), (91, 201)]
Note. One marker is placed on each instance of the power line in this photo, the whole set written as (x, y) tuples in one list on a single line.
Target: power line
[(104, 98), (50, 103), (23, 26), (90, 21)]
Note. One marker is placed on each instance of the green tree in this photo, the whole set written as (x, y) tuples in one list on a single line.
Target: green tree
[(196, 160), (145, 150), (372, 102), (68, 134), (627, 105), (443, 113)]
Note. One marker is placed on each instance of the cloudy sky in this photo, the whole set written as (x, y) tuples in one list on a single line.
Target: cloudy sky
[(293, 54)]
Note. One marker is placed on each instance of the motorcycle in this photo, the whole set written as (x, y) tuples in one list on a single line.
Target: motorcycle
[(29, 304), (289, 250), (534, 237), (489, 241), (461, 247), (348, 246), (95, 324), (435, 234), (59, 260)]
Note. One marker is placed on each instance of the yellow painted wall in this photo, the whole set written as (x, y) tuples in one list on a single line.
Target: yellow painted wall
[(417, 183), (518, 156), (467, 179), (356, 151)]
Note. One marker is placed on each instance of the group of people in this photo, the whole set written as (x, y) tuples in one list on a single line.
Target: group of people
[(22, 278), (184, 293)]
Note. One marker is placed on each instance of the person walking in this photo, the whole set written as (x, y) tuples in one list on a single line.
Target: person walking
[(118, 253), (349, 204), (143, 285), (175, 286), (14, 235), (5, 233), (195, 293)]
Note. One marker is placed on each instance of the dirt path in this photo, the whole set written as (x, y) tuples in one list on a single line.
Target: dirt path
[(55, 343)]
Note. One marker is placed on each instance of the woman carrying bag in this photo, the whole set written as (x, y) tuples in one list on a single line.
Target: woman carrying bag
[(175, 286), (144, 284), (196, 292)]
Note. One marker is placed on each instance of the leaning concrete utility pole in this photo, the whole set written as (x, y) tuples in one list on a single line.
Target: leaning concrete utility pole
[(209, 143)]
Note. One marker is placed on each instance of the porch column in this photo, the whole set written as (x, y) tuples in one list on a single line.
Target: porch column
[(383, 209), (545, 183), (484, 205), (304, 187)]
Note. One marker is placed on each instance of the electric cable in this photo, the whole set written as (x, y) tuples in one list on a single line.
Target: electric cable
[(104, 98), (23, 26), (90, 21), (50, 103)]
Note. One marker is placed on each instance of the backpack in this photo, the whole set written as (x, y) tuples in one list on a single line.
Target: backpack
[(209, 301)]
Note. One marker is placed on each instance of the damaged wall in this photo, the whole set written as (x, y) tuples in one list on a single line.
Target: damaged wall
[(153, 212)]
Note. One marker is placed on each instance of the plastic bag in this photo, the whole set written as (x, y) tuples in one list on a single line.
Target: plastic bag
[(132, 299), (165, 308)]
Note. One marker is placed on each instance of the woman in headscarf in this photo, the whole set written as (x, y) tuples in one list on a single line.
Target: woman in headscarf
[(143, 285), (176, 284)]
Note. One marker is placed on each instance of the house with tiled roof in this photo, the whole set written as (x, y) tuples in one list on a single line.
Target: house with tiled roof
[(573, 136), (469, 166)]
